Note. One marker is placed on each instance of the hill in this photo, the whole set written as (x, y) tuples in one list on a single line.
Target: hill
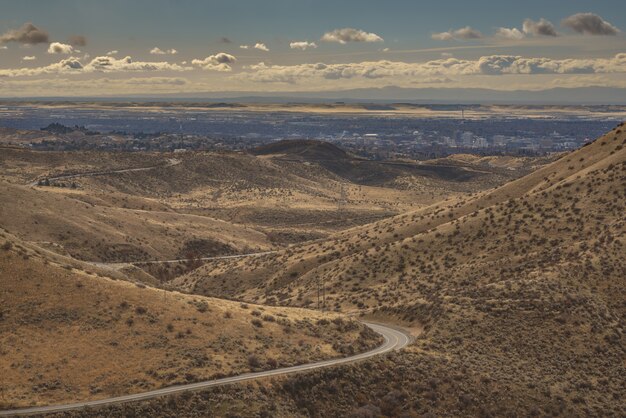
[(520, 289), (122, 206), (307, 149), (70, 334), (373, 173)]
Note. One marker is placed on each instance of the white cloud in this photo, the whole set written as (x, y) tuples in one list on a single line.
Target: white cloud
[(59, 48), (111, 64), (458, 34), (542, 27), (446, 67), (261, 46), (346, 35), (218, 62), (509, 33), (113, 52), (158, 51), (29, 58), (589, 24), (302, 45), (244, 46), (105, 64), (3, 47)]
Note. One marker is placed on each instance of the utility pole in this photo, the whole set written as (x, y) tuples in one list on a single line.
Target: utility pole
[(343, 198), (318, 293)]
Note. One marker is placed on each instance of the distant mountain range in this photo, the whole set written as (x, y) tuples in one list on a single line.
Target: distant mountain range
[(555, 96)]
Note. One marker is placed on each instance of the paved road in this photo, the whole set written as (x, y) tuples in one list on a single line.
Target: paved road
[(170, 162), (394, 340)]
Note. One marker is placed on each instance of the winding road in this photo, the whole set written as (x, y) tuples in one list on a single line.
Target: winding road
[(394, 339)]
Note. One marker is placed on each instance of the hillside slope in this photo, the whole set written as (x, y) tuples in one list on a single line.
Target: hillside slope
[(75, 223), (520, 290), (525, 215), (68, 334)]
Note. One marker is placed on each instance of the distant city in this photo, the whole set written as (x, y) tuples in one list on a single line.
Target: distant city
[(374, 136)]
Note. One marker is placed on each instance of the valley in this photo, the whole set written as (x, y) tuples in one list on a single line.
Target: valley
[(151, 270)]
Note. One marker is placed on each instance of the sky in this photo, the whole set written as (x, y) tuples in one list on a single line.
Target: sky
[(115, 47)]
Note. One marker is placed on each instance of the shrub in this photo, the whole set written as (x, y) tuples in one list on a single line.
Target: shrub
[(254, 361), (257, 323)]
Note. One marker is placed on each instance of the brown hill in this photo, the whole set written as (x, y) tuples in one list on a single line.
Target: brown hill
[(68, 334), (76, 223), (306, 149), (519, 289), (368, 172)]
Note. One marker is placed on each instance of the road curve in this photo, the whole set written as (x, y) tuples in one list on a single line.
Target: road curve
[(393, 340)]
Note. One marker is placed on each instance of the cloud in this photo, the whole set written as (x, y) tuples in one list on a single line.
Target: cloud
[(244, 46), (29, 58), (59, 48), (111, 64), (589, 24), (459, 34), (159, 51), (225, 40), (3, 47), (218, 62), (492, 65), (542, 27), (77, 40), (346, 35), (302, 45), (113, 52), (261, 46), (509, 33), (104, 64), (27, 34)]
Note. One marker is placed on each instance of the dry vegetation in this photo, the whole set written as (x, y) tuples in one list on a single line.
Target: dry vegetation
[(69, 335), (199, 204), (520, 290)]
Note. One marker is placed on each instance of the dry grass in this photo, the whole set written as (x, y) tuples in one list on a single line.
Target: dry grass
[(520, 290), (69, 335)]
